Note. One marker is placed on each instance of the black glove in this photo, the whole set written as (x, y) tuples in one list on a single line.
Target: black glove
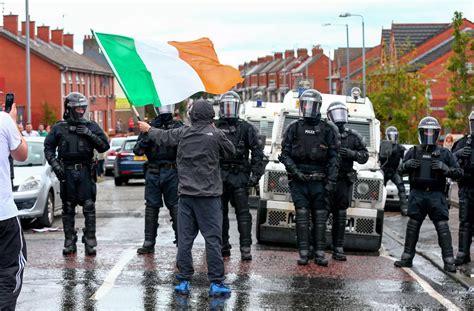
[(348, 153), (300, 176), (330, 188), (466, 152), (83, 130), (58, 170), (253, 181), (412, 164), (438, 165)]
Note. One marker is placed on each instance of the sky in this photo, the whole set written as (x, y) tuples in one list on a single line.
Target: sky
[(241, 30)]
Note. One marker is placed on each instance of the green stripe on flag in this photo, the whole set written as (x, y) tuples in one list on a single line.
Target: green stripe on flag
[(130, 71)]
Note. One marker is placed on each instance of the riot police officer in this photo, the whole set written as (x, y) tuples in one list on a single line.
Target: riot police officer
[(75, 139), (161, 178), (238, 173), (428, 166), (462, 150), (390, 161), (352, 149), (310, 149)]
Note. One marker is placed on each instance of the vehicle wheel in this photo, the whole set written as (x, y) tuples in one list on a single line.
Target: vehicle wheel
[(118, 181), (108, 172), (261, 214), (48, 215)]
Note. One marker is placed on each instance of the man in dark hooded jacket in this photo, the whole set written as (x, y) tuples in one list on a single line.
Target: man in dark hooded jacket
[(200, 146)]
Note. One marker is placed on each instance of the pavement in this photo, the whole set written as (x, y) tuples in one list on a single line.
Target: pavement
[(427, 247)]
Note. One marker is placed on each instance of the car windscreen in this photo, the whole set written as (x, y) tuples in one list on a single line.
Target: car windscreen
[(35, 155), (116, 142), (128, 145)]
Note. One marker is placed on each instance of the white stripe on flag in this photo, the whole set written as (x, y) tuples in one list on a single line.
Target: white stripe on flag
[(175, 80)]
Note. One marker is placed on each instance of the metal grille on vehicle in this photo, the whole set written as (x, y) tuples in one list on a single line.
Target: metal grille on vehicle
[(276, 181), (363, 129), (265, 127), (286, 122), (277, 218), (365, 225), (365, 189)]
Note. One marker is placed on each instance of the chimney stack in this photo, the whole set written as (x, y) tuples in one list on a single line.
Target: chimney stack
[(253, 63), (10, 23), (57, 37), (43, 33), (316, 50), (69, 40), (89, 44), (278, 55), (260, 60), (32, 29), (289, 53), (302, 52), (268, 58)]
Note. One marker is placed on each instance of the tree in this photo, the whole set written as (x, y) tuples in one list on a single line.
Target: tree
[(398, 94), (49, 114), (461, 99)]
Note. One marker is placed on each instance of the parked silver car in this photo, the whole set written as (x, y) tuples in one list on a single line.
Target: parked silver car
[(35, 187), (111, 154)]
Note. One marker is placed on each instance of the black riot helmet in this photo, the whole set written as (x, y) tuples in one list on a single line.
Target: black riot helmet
[(310, 104), (337, 112), (391, 133), (229, 105), (471, 123), (74, 100), (428, 131)]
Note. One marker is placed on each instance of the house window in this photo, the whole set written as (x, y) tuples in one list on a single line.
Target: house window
[(109, 120), (100, 119), (64, 85), (70, 81), (83, 84), (89, 89)]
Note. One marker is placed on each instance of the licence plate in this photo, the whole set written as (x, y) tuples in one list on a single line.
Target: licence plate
[(139, 158)]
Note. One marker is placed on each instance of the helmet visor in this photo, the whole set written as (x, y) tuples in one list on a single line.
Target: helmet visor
[(81, 103), (338, 115), (392, 136), (309, 107), (166, 109), (428, 136), (229, 108)]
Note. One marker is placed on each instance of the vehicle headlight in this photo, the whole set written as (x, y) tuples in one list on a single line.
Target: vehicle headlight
[(31, 183), (363, 188), (283, 182)]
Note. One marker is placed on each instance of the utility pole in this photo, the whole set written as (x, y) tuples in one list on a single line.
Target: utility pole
[(28, 78)]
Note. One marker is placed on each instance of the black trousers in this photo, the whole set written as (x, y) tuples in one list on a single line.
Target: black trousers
[(12, 262), (200, 214)]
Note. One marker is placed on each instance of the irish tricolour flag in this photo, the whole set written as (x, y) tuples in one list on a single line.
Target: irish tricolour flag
[(163, 74)]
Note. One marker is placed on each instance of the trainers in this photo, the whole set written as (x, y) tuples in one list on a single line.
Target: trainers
[(219, 289), (183, 288)]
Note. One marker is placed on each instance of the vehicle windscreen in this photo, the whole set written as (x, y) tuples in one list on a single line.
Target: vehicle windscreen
[(35, 155), (116, 143), (128, 145)]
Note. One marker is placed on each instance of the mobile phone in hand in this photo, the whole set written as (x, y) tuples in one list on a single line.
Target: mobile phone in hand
[(9, 100)]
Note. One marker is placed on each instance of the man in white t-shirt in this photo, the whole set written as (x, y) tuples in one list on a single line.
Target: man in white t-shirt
[(12, 243), (29, 132)]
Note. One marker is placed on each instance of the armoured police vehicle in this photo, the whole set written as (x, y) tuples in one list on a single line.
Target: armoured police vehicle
[(276, 214)]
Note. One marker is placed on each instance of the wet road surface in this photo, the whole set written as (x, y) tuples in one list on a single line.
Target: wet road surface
[(118, 279)]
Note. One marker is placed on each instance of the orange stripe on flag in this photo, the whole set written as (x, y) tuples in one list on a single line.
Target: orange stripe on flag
[(200, 54)]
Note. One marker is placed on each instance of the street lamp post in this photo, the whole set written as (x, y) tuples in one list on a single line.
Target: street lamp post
[(28, 81), (364, 86), (347, 49)]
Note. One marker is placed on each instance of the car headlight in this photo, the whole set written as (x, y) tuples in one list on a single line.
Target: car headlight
[(31, 183), (363, 188)]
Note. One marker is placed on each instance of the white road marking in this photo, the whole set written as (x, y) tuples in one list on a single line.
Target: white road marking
[(427, 288), (109, 281)]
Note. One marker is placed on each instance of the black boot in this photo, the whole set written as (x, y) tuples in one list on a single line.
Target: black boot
[(70, 234), (244, 223), (403, 203), (302, 235), (446, 244), (319, 223), (174, 221), (465, 240), (411, 238), (338, 233), (88, 238), (151, 227)]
